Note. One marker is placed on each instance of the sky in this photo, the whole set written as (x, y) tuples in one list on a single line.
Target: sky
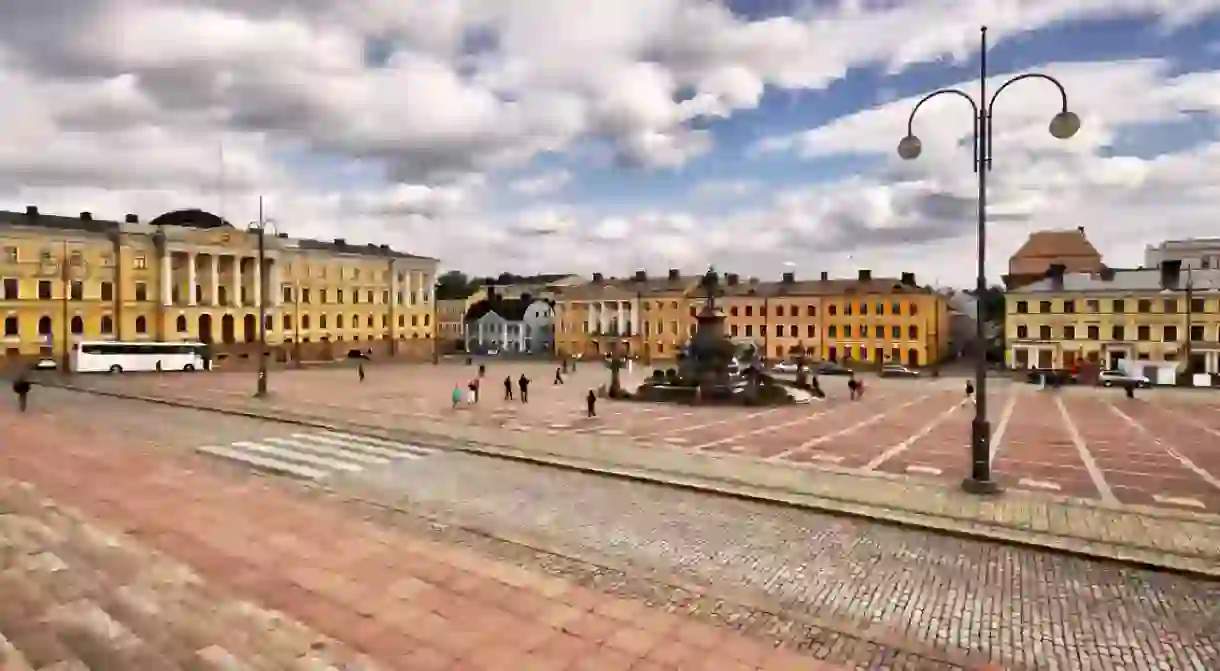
[(758, 136)]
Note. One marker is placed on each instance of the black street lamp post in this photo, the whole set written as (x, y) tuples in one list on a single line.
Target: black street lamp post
[(1064, 125), (261, 226)]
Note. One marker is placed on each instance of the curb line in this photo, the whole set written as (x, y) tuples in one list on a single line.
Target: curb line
[(1192, 567)]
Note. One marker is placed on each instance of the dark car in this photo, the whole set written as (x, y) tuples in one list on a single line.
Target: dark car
[(831, 368), (896, 370)]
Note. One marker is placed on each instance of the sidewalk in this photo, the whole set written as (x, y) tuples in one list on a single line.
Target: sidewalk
[(1166, 539), (94, 582)]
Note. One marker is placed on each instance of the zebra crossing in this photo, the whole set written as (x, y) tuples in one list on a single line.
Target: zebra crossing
[(316, 455)]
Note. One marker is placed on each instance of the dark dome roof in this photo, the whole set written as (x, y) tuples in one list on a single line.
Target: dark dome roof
[(190, 218)]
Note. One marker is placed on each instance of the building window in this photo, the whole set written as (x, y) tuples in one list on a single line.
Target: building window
[(1022, 331), (370, 321), (912, 333), (1196, 333), (339, 322), (1044, 307), (355, 297), (1169, 334), (1143, 306), (12, 289), (10, 255), (1169, 305), (305, 322), (749, 331), (1143, 333), (811, 311), (1094, 333), (141, 325), (141, 291), (912, 309), (1118, 307), (830, 333), (322, 322), (11, 326), (181, 324), (107, 325), (880, 308), (287, 294), (1093, 306), (1044, 333), (287, 321), (1118, 333), (1069, 332), (1022, 307), (1069, 307), (1197, 305), (833, 310), (864, 308), (895, 332), (107, 291), (427, 320), (78, 290), (779, 311), (811, 331), (847, 309), (44, 326), (732, 330), (44, 290), (847, 330), (139, 262), (402, 321), (733, 311), (779, 330)]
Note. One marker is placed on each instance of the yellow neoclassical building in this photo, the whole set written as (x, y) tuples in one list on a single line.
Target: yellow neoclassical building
[(189, 276), (1145, 314), (866, 319)]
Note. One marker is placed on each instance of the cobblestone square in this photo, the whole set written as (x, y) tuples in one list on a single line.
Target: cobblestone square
[(1159, 450)]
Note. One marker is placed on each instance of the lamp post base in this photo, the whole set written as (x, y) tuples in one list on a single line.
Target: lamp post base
[(981, 487)]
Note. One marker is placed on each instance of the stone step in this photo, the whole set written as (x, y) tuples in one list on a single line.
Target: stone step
[(373, 445), (79, 597), (299, 457), (269, 464)]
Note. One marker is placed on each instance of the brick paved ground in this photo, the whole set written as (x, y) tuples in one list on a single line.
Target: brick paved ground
[(849, 591), (1161, 450), (402, 600)]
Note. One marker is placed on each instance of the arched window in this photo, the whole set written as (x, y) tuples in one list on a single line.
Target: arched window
[(338, 321), (44, 326), (78, 325), (141, 324), (107, 325), (181, 323)]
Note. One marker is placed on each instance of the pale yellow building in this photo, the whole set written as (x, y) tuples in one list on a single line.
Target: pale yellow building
[(1147, 314), (189, 276), (869, 320)]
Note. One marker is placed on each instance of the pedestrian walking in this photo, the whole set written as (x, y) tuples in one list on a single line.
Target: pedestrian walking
[(1129, 387), (591, 403), (482, 370), (851, 387), (456, 396), (558, 376), (969, 390), (21, 387), (859, 389), (524, 384), (474, 390), (360, 370), (508, 387)]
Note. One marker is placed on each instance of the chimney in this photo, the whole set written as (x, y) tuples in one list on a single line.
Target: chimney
[(86, 216), (641, 276), (131, 219), (865, 274), (1107, 274), (674, 274), (598, 277), (1171, 274), (732, 279), (1080, 230), (340, 242), (789, 278), (908, 279), (384, 247), (825, 276), (282, 236), (31, 210)]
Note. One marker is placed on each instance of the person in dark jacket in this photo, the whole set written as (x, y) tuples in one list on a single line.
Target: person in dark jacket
[(508, 387), (21, 387), (591, 403), (558, 376), (524, 384)]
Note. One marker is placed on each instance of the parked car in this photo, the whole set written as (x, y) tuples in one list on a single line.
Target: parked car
[(897, 370), (46, 364), (788, 367), (1113, 378), (831, 368)]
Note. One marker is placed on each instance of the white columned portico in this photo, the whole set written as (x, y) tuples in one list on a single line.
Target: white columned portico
[(236, 299), (622, 321), (190, 278), (167, 278), (215, 281), (590, 315), (605, 322), (258, 282), (504, 336)]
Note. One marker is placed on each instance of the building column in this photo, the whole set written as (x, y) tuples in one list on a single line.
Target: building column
[(167, 278), (589, 317), (258, 282), (190, 278), (277, 290), (605, 322), (622, 321), (521, 336), (214, 299), (236, 300)]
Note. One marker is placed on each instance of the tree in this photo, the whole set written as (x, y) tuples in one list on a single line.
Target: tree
[(452, 284)]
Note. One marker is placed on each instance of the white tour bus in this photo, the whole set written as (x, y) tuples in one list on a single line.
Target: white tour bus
[(121, 357)]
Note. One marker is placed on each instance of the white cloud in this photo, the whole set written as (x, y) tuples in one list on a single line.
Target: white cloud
[(542, 184), (134, 123)]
